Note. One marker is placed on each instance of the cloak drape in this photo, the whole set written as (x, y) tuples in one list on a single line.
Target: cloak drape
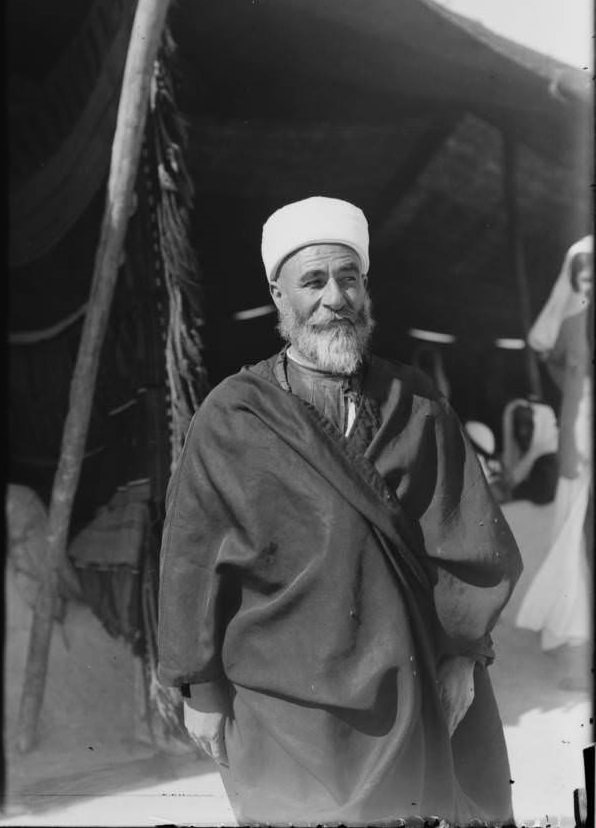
[(319, 587)]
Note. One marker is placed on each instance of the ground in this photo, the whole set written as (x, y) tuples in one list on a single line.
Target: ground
[(94, 766)]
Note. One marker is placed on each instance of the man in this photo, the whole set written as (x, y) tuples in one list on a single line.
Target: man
[(333, 563)]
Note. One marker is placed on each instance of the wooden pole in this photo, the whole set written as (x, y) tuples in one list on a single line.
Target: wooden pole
[(145, 37), (517, 259)]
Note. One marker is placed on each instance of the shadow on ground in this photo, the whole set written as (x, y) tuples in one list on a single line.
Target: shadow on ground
[(119, 778)]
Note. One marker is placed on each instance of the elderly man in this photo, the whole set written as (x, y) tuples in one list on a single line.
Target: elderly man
[(333, 563)]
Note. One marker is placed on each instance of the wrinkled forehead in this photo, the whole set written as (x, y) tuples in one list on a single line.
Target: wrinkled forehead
[(319, 256)]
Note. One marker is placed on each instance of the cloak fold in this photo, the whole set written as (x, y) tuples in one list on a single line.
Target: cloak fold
[(320, 584)]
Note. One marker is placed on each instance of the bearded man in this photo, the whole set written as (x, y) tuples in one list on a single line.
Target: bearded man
[(332, 565)]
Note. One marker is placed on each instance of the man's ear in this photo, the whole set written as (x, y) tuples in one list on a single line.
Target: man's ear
[(365, 280), (275, 291)]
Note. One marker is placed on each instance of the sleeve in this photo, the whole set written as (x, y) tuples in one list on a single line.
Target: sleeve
[(468, 540), (194, 594)]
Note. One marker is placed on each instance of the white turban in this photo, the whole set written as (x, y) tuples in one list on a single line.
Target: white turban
[(316, 220), (481, 436)]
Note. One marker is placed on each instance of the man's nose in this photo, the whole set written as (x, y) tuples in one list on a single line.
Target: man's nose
[(333, 295)]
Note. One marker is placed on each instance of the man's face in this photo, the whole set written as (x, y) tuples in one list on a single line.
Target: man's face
[(324, 308)]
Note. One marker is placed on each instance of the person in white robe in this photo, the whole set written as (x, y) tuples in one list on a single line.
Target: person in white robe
[(557, 603)]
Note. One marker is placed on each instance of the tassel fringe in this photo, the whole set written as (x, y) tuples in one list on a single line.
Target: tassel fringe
[(186, 374)]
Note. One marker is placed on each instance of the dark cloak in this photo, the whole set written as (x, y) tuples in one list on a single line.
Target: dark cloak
[(319, 586)]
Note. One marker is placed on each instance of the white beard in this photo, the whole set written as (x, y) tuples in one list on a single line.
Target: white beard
[(335, 345)]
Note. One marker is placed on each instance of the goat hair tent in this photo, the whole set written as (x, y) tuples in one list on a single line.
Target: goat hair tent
[(421, 117)]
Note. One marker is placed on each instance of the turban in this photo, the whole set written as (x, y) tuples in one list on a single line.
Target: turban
[(481, 436), (316, 220)]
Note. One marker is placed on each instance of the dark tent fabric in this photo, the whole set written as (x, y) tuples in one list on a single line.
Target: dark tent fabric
[(402, 107)]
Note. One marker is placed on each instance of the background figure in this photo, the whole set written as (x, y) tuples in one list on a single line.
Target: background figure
[(429, 359), (557, 603), (530, 444)]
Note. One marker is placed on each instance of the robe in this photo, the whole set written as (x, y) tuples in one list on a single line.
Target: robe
[(318, 580)]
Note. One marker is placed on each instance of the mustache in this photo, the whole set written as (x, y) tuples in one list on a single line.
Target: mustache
[(321, 319), (335, 340)]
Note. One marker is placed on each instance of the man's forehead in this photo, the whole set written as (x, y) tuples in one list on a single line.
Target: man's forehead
[(315, 253)]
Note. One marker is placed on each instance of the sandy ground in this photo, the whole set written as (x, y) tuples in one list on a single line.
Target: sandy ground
[(92, 766)]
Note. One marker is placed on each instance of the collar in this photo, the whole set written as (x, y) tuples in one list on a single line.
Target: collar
[(354, 383)]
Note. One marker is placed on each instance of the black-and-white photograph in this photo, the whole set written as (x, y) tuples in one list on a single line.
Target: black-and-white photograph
[(299, 502)]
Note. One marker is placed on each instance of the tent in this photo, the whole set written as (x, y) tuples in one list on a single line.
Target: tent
[(470, 155)]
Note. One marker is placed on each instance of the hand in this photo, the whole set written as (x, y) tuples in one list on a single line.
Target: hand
[(456, 689), (207, 732)]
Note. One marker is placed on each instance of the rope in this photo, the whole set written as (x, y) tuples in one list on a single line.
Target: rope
[(33, 337)]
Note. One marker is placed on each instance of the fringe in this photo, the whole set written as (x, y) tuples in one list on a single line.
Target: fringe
[(185, 370)]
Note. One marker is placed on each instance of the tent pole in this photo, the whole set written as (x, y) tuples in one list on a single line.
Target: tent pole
[(517, 259), (144, 42)]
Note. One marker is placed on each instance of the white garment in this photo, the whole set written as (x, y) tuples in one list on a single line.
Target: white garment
[(557, 603), (351, 418)]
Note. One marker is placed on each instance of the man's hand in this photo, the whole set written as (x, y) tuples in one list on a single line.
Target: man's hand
[(207, 732), (456, 688)]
